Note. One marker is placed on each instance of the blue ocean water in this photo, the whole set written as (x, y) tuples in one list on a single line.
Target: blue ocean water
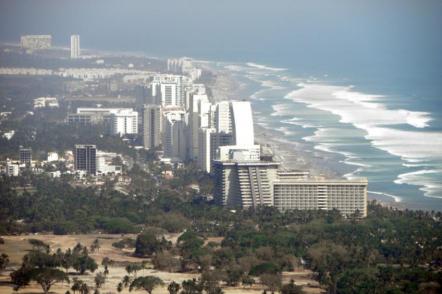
[(393, 139), (362, 80)]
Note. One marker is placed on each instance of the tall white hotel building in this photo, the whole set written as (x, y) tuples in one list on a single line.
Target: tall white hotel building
[(75, 46)]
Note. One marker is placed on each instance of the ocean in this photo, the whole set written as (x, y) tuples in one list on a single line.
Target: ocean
[(358, 83), (391, 139)]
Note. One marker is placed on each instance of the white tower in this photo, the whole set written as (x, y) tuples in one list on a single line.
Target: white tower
[(75, 46)]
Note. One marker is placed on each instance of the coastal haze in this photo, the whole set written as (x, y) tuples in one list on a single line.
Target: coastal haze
[(196, 146), (366, 71)]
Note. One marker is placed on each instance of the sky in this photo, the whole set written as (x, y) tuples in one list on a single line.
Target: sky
[(360, 33)]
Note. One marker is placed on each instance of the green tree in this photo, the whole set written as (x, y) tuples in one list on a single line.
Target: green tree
[(48, 277), (234, 275), (133, 268), (126, 281), (271, 281), (165, 261), (4, 261), (84, 263), (80, 286), (40, 259), (173, 288), (21, 277), (120, 287), (39, 245), (95, 246), (147, 283), (65, 259), (191, 287), (248, 281), (291, 288), (99, 280), (148, 243)]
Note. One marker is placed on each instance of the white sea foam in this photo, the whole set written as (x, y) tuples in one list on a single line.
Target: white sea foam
[(234, 67), (432, 187), (374, 118), (285, 131), (366, 112), (297, 121), (396, 198), (264, 67), (352, 175), (281, 110), (354, 107), (272, 85)]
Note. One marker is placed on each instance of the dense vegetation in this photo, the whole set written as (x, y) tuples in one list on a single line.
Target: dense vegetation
[(389, 251), (41, 266)]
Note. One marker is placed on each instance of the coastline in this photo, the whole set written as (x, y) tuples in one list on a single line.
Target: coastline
[(292, 155), (224, 85)]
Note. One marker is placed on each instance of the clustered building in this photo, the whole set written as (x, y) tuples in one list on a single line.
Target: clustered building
[(36, 42), (262, 183), (219, 137), (120, 121), (24, 162), (178, 120)]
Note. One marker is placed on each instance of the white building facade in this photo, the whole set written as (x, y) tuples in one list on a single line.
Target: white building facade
[(75, 46), (124, 122), (169, 88)]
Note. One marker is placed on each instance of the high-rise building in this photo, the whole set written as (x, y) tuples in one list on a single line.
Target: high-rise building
[(190, 90), (152, 126), (243, 153), (169, 88), (124, 122), (223, 117), (75, 46), (198, 118), (251, 183), (85, 158), (242, 123), (206, 152), (244, 183), (35, 42), (174, 134), (347, 196), (120, 121), (25, 156)]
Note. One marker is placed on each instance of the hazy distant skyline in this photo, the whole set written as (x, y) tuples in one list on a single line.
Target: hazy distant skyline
[(316, 29)]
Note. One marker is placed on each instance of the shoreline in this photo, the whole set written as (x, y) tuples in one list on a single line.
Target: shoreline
[(292, 155)]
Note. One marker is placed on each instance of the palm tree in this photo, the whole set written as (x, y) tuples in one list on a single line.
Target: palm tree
[(147, 283)]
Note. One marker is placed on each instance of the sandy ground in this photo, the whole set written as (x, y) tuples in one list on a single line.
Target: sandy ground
[(17, 246)]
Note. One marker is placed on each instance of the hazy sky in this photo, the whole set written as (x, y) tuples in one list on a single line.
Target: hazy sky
[(359, 32)]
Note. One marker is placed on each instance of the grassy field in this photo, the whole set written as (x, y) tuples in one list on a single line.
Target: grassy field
[(17, 246)]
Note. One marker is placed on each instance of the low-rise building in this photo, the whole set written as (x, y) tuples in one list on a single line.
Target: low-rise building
[(12, 169), (35, 42), (46, 102)]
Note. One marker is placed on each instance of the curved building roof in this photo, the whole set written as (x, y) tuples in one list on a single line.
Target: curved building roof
[(242, 123)]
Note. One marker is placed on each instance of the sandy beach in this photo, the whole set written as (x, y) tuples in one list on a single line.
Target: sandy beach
[(291, 155)]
